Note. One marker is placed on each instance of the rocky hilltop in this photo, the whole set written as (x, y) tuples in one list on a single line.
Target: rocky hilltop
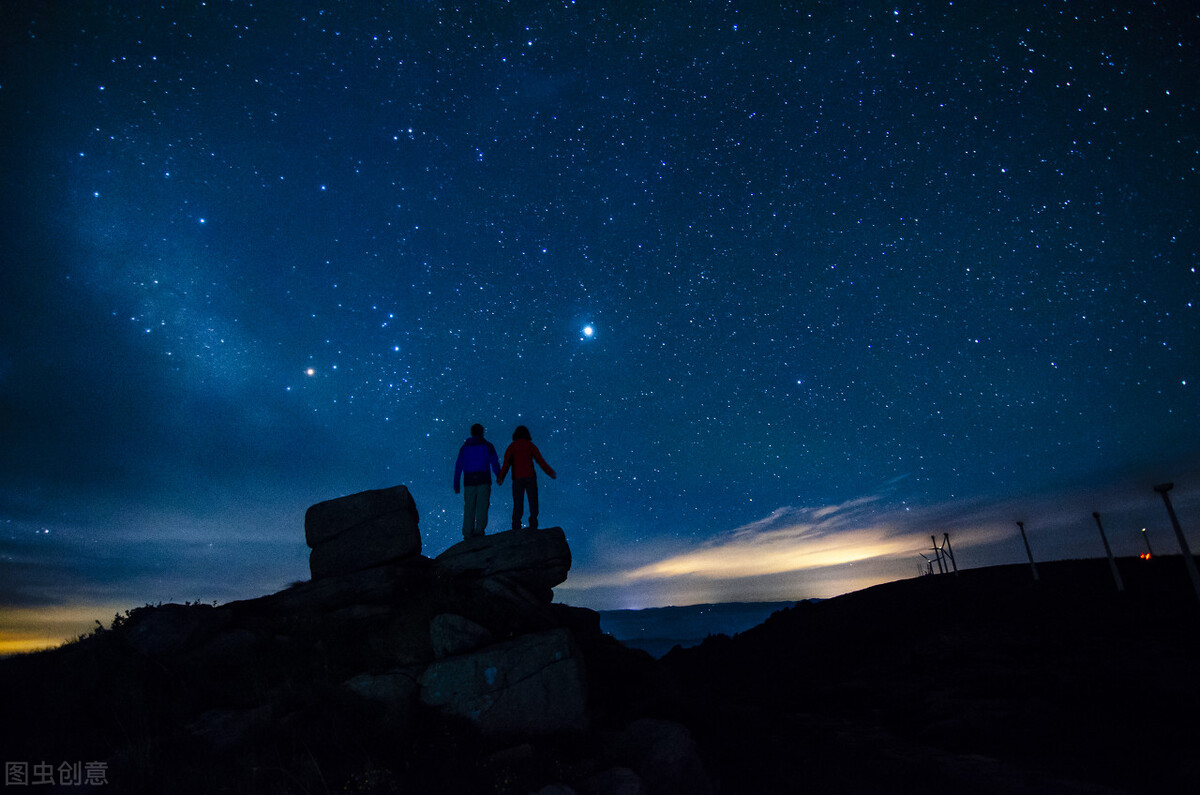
[(391, 672), (388, 671)]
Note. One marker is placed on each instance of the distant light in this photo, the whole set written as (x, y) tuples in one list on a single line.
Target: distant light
[(588, 331), (310, 371)]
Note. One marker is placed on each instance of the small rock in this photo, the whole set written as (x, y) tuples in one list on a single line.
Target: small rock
[(223, 729), (451, 634), (395, 686), (556, 789), (395, 691), (614, 781), (664, 755)]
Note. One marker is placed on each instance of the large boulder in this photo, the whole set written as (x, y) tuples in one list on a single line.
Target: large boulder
[(361, 530), (532, 560), (529, 686)]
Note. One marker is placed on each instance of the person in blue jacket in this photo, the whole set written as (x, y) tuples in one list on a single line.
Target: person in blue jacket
[(475, 458)]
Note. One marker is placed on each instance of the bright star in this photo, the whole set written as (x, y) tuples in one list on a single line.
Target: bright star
[(588, 331)]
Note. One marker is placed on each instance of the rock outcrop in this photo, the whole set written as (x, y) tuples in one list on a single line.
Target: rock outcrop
[(531, 685), (452, 673), (516, 567), (536, 559), (361, 530)]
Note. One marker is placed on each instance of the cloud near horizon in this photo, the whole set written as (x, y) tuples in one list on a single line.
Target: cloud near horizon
[(800, 552), (789, 539)]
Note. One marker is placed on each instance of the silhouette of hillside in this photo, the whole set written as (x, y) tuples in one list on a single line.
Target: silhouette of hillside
[(986, 682), (391, 672)]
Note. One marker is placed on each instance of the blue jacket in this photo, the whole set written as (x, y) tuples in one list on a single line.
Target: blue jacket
[(474, 458)]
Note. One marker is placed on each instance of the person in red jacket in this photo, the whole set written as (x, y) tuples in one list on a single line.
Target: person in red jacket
[(520, 456)]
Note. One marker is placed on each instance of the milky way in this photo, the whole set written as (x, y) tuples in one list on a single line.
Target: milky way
[(742, 269)]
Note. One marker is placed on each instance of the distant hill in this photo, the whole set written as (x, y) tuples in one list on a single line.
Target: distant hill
[(658, 629), (986, 682)]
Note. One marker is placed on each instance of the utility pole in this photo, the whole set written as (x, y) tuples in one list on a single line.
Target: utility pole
[(1149, 549), (949, 551), (937, 555), (1112, 563), (1188, 560), (1028, 552)]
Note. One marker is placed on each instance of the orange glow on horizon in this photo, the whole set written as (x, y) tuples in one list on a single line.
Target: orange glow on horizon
[(11, 646), (35, 629)]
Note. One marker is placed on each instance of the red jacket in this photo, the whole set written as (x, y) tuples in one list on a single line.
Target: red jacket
[(520, 455)]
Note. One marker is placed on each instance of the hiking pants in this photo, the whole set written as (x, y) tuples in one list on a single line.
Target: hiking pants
[(475, 509), (523, 487)]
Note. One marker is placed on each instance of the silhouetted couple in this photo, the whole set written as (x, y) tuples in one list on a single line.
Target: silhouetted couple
[(476, 462)]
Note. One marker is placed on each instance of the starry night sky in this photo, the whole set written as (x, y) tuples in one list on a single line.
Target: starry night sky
[(856, 274)]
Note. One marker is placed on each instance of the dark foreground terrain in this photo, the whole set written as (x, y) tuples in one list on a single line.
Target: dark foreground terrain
[(446, 676), (987, 682)]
